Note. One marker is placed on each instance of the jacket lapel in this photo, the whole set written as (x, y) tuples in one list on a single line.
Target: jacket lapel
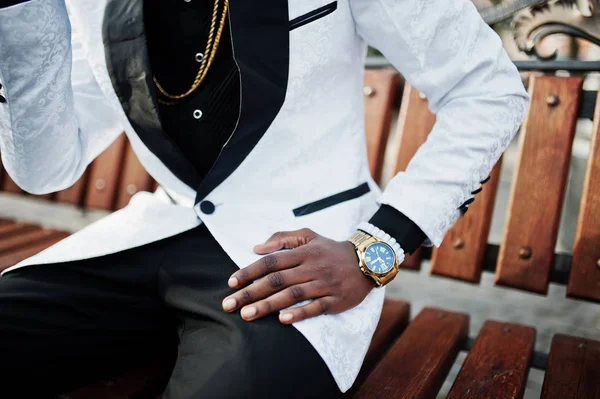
[(260, 34)]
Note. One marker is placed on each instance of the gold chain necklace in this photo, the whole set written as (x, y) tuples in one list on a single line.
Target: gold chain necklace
[(211, 50)]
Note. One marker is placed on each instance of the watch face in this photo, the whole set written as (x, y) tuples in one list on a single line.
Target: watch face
[(379, 258)]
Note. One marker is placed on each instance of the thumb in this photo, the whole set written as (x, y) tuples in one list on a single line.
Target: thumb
[(285, 240)]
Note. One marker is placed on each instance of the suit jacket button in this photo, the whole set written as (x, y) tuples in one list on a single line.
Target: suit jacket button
[(207, 207), (2, 99), (468, 202)]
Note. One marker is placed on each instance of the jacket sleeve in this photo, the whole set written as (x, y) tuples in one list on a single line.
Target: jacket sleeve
[(54, 120), (446, 51)]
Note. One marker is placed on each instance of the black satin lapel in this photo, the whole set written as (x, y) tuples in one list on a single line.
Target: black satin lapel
[(128, 65), (261, 44)]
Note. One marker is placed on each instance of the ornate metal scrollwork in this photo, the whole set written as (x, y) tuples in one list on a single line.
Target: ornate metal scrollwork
[(573, 18), (494, 11)]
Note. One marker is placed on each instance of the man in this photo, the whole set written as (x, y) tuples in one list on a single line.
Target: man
[(249, 116)]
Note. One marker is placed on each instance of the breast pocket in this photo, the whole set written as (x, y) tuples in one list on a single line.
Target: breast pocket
[(313, 15), (332, 200)]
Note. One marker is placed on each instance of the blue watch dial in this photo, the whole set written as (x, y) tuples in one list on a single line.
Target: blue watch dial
[(379, 258)]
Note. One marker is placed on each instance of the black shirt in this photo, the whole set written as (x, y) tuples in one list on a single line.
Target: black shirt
[(200, 125)]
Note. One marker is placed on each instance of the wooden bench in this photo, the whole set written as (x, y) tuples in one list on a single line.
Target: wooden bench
[(413, 360)]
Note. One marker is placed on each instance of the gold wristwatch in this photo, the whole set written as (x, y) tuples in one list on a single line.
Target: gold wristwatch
[(376, 258)]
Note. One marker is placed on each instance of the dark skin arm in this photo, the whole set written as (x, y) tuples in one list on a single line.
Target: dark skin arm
[(314, 267)]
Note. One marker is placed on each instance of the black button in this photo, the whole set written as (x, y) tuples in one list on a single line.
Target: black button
[(477, 191), (207, 207), (2, 99), (487, 179), (463, 209), (468, 202)]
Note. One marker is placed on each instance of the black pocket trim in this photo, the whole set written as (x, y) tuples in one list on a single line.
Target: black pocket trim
[(333, 200), (313, 15)]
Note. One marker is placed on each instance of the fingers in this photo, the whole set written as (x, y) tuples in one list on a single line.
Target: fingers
[(266, 265), (285, 240), (320, 306), (283, 299), (270, 285)]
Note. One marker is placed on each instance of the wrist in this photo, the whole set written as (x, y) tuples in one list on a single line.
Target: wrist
[(376, 258), (383, 236)]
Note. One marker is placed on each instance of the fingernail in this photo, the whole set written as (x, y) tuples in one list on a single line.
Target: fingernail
[(229, 304), (249, 312), (233, 282), (286, 317)]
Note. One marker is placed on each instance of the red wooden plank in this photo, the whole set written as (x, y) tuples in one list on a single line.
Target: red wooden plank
[(134, 178), (414, 124), (11, 258), (46, 197), (573, 369), (536, 198), (498, 363), (104, 175), (16, 228), (9, 185), (417, 364), (462, 252), (584, 280), (74, 194), (17, 241), (380, 89)]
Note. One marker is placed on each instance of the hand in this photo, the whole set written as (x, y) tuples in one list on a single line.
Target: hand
[(315, 268)]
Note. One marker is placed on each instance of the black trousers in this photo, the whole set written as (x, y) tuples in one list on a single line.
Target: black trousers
[(67, 324)]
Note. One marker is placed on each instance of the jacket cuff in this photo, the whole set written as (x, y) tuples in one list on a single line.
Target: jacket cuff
[(401, 228)]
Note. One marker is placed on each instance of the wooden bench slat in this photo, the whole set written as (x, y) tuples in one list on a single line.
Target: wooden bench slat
[(497, 364), (134, 178), (573, 369), (414, 124), (104, 175), (380, 89), (394, 319), (462, 252), (74, 194), (416, 365), (17, 241), (16, 228), (536, 197), (584, 279), (12, 258), (9, 186)]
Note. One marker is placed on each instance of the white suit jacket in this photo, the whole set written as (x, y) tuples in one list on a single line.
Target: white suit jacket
[(62, 110)]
